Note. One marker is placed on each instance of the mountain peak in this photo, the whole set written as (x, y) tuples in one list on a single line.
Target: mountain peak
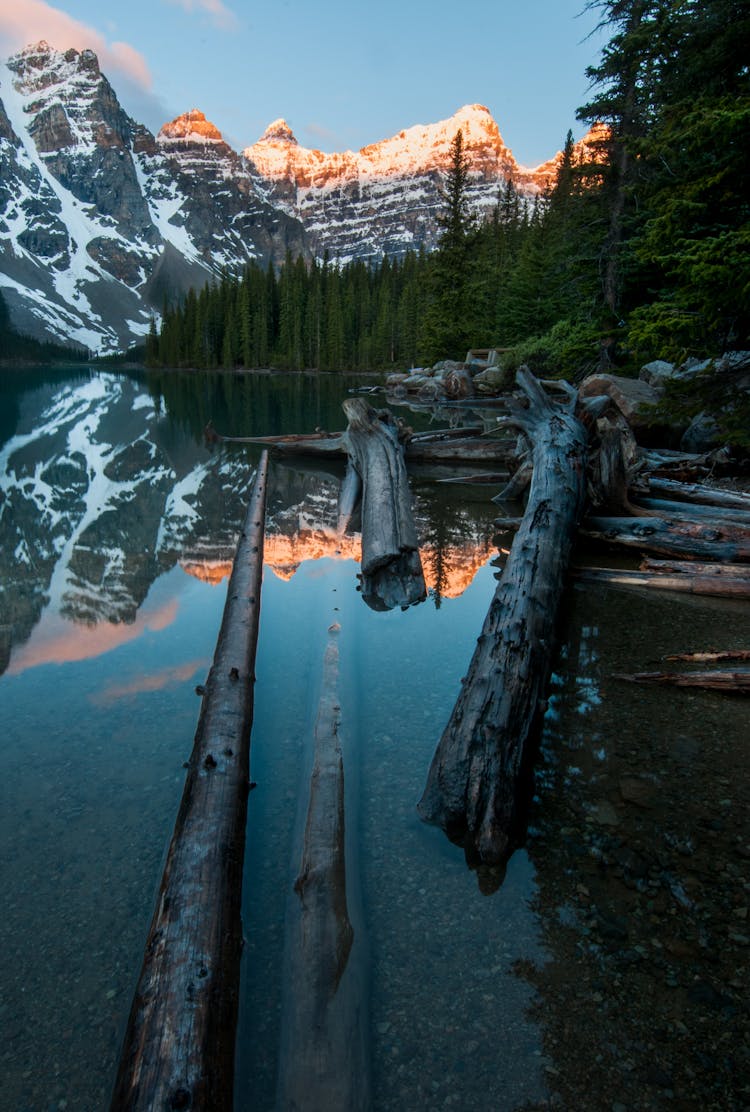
[(279, 132), (192, 126)]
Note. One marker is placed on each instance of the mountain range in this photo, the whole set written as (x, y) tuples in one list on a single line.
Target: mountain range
[(100, 220)]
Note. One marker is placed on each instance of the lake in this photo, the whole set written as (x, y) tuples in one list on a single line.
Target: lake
[(606, 970)]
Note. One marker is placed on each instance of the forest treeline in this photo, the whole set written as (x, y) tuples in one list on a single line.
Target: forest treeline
[(640, 250)]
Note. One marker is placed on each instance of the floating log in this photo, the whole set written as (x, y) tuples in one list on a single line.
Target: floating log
[(324, 1061), (738, 681), (671, 538), (472, 785), (391, 566), (715, 586), (178, 1050), (433, 447), (699, 493)]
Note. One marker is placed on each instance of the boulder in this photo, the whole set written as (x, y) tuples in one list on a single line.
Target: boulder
[(701, 435), (493, 380), (633, 397), (656, 373)]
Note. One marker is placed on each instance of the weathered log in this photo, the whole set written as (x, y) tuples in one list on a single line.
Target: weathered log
[(472, 785), (694, 511), (685, 466), (711, 585), (433, 447), (324, 1061), (711, 657), (391, 566), (738, 681), (699, 493), (694, 567), (670, 538), (178, 1050)]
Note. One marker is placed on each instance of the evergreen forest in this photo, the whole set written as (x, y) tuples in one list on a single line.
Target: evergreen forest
[(641, 249)]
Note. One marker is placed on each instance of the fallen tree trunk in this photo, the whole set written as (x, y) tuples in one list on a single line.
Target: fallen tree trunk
[(711, 585), (671, 538), (711, 657), (178, 1050), (738, 682), (324, 1061), (391, 566), (433, 447), (472, 785), (699, 513), (695, 567), (699, 493)]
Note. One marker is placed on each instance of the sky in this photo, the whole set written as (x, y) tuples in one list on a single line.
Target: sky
[(342, 73)]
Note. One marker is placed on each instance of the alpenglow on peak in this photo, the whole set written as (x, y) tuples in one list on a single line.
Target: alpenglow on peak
[(279, 132), (191, 125)]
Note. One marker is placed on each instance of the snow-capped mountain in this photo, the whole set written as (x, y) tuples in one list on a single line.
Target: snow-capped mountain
[(100, 219), (386, 197)]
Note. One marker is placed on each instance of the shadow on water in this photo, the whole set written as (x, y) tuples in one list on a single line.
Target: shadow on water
[(609, 966)]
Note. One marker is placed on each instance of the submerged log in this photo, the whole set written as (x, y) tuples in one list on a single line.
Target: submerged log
[(671, 538), (391, 566), (178, 1050), (738, 681), (324, 1061), (472, 785)]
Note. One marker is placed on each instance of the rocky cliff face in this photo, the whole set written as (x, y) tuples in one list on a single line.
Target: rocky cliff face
[(387, 196), (100, 219)]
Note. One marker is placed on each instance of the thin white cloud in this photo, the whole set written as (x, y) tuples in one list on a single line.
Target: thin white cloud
[(28, 21), (221, 16)]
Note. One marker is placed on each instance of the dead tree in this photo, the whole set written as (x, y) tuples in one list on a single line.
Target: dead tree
[(471, 788), (391, 566), (178, 1050), (324, 1061)]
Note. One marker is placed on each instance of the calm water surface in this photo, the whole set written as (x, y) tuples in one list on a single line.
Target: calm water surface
[(607, 971)]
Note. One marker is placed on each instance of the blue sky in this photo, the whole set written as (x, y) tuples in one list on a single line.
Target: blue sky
[(341, 72)]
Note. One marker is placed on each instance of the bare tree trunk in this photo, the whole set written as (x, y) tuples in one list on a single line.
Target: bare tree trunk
[(178, 1050), (471, 788), (324, 1059)]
